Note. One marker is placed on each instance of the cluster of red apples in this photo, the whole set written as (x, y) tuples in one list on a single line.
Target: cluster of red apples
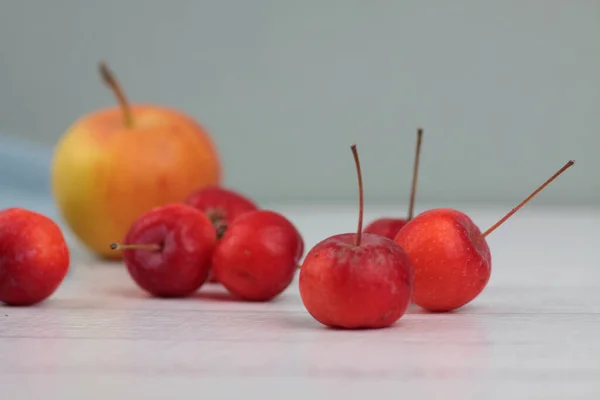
[(216, 235), (438, 259)]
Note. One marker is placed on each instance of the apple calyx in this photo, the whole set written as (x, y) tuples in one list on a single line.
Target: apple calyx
[(360, 195), (110, 80), (531, 196), (415, 177), (151, 246), (220, 229), (217, 219)]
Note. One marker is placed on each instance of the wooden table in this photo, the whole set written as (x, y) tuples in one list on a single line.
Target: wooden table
[(533, 334)]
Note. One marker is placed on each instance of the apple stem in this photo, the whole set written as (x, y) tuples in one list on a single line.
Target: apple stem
[(119, 246), (360, 195), (532, 195), (111, 81), (413, 189)]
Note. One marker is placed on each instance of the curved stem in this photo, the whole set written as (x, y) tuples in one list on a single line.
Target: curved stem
[(413, 189), (119, 246), (531, 196), (360, 195), (109, 80)]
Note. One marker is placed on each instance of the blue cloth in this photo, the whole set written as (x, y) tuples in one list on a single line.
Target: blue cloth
[(25, 176), (25, 166)]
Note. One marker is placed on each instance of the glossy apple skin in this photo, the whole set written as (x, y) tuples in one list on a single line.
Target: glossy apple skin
[(105, 175), (181, 267), (257, 257), (222, 206), (452, 266), (345, 286), (386, 227), (34, 257)]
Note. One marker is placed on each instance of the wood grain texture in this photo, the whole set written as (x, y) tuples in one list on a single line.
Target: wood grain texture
[(532, 334)]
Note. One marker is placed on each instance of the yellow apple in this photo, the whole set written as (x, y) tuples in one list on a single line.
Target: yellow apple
[(114, 164)]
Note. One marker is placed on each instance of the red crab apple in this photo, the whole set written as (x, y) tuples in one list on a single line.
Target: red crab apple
[(34, 257), (450, 255), (356, 280), (222, 206), (257, 257), (387, 226), (168, 249)]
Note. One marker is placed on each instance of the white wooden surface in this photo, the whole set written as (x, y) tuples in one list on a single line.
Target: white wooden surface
[(533, 334)]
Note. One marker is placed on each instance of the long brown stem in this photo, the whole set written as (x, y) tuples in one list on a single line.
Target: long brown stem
[(111, 81), (119, 246), (531, 196), (360, 195), (413, 189)]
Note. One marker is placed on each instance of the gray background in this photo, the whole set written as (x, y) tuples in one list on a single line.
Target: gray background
[(507, 91)]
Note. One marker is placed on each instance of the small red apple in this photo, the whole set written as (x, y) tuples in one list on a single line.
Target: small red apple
[(450, 255), (257, 257), (222, 206), (34, 257), (168, 249), (389, 227), (356, 280)]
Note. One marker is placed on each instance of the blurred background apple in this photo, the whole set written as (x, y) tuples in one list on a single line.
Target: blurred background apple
[(114, 164)]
